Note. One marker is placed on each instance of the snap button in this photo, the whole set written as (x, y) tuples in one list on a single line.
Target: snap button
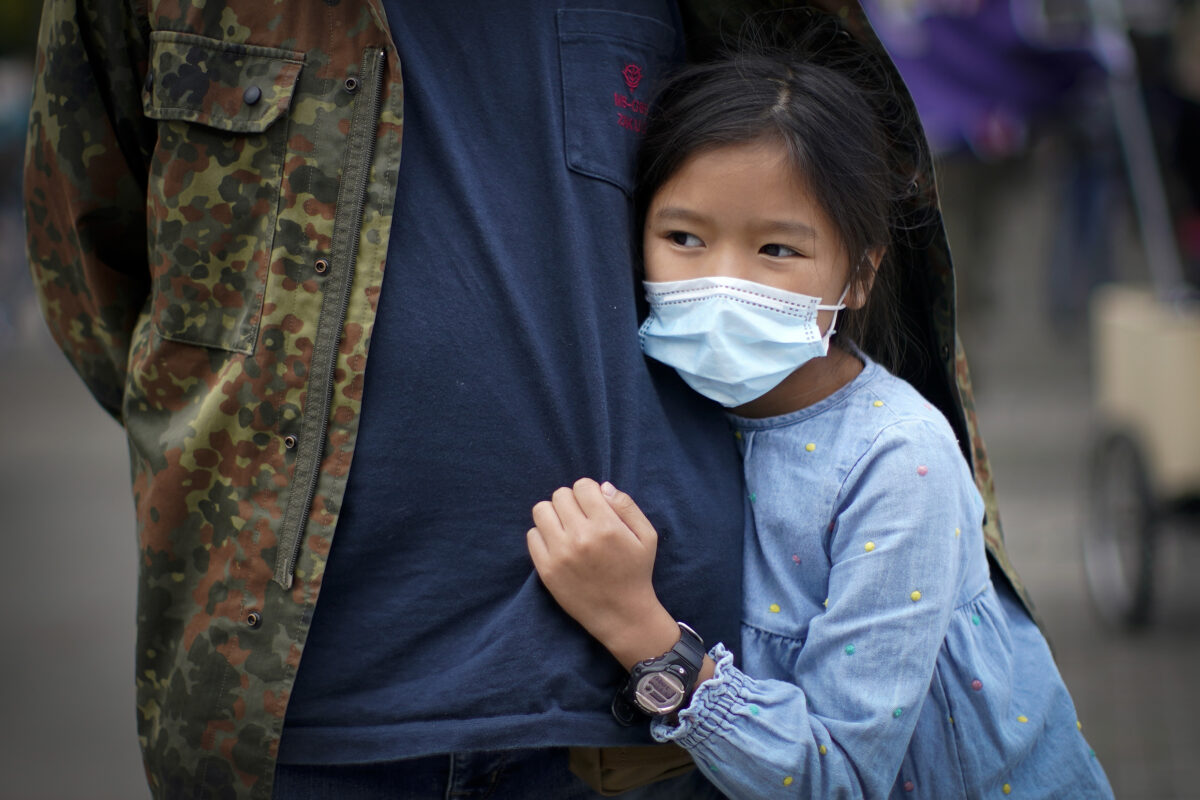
[(289, 441), (351, 84), (252, 95), (321, 266), (253, 619)]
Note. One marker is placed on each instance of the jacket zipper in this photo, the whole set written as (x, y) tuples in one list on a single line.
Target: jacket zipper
[(356, 172)]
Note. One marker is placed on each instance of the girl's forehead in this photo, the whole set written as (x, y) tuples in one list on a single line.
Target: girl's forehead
[(766, 156), (759, 176)]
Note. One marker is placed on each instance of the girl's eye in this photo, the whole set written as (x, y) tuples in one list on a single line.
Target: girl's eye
[(684, 239), (778, 251)]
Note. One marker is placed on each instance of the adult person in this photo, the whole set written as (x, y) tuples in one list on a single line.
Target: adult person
[(215, 192)]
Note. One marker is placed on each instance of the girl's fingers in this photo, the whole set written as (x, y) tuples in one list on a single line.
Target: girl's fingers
[(571, 509), (537, 547), (591, 501), (566, 506), (545, 517), (629, 513)]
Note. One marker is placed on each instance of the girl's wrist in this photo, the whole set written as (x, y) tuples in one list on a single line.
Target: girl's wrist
[(654, 635)]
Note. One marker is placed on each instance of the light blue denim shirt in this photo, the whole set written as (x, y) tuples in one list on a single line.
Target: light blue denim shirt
[(877, 658)]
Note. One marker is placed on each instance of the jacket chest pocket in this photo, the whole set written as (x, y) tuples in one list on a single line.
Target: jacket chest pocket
[(214, 184), (611, 64)]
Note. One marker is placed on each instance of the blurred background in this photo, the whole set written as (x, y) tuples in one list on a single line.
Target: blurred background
[(1068, 145)]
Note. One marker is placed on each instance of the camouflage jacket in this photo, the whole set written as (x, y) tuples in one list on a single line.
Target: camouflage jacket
[(209, 187)]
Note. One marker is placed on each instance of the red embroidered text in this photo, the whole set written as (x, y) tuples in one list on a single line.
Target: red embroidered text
[(630, 103), (632, 123)]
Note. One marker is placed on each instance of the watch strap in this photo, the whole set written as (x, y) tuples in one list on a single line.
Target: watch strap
[(684, 660), (690, 646)]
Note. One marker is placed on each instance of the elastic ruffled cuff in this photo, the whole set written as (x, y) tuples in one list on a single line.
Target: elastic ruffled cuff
[(712, 704)]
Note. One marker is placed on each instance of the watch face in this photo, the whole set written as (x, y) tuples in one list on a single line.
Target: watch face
[(659, 693)]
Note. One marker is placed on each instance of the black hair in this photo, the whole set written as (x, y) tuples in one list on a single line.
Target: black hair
[(831, 104)]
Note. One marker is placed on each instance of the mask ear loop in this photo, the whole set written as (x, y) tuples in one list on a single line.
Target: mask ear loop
[(835, 308)]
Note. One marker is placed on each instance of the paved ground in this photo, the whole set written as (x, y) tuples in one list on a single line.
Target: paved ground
[(67, 606)]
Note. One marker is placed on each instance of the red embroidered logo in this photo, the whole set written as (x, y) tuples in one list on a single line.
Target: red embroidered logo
[(633, 76)]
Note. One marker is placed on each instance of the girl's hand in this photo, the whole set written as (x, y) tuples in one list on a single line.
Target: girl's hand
[(594, 550)]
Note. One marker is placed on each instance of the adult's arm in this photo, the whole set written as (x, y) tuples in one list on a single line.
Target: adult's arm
[(85, 184)]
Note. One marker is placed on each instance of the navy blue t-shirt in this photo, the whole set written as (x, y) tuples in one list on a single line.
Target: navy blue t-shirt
[(504, 363)]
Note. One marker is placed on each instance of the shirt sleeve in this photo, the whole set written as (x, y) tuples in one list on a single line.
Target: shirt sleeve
[(842, 726), (86, 157)]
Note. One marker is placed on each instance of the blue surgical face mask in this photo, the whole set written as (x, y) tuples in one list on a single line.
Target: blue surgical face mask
[(733, 340)]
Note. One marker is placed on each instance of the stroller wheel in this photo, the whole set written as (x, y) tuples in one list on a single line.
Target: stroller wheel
[(1119, 538)]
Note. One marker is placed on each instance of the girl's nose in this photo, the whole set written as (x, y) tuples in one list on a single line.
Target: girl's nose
[(731, 263)]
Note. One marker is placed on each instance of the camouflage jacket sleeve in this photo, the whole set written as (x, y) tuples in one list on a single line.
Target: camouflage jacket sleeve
[(85, 185)]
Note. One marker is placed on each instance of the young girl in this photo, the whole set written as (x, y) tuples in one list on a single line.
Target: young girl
[(877, 656)]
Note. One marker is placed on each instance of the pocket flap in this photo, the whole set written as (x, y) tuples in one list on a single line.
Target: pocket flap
[(228, 86)]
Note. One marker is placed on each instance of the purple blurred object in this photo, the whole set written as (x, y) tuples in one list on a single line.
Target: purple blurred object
[(978, 75)]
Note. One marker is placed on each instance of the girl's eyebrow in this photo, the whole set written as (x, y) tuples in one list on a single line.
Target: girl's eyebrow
[(798, 229), (678, 214)]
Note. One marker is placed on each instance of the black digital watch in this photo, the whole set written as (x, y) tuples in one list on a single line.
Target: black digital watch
[(659, 686)]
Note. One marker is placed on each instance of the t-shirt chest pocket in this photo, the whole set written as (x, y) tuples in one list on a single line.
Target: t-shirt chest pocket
[(611, 64)]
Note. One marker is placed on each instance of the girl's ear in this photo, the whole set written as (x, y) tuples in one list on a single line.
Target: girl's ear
[(865, 279)]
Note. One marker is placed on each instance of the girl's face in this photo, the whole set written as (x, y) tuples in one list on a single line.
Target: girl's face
[(739, 211)]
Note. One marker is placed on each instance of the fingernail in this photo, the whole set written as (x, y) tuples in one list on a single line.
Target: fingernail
[(607, 489)]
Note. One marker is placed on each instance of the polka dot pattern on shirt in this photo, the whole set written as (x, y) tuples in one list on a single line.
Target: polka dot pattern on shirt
[(850, 649), (877, 542)]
